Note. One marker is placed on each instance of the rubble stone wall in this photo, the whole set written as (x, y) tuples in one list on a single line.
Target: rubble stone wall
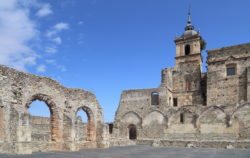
[(18, 90)]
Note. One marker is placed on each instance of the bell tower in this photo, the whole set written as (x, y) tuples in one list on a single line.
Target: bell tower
[(189, 44), (184, 79)]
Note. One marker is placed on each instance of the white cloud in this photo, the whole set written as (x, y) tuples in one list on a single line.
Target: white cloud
[(16, 31), (56, 65), (61, 26), (50, 61), (41, 69), (57, 40), (56, 29), (51, 50), (53, 33), (44, 10)]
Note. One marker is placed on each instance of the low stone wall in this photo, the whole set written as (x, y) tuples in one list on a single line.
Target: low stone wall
[(196, 143)]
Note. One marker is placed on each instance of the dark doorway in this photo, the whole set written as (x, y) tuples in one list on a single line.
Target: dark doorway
[(132, 132)]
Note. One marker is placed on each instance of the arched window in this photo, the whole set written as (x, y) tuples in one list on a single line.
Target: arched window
[(187, 49), (132, 132), (155, 98)]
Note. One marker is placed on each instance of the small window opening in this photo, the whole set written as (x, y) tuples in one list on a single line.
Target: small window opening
[(110, 128), (154, 98), (182, 118), (187, 49), (231, 70), (175, 100)]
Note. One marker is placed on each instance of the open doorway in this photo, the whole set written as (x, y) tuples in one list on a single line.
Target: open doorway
[(132, 132)]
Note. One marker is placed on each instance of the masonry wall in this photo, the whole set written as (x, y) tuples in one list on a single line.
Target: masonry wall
[(133, 109), (18, 90), (201, 123), (214, 113), (223, 89)]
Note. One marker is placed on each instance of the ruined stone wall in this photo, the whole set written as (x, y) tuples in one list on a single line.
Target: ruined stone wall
[(222, 121), (223, 89), (133, 109), (200, 123), (18, 90), (40, 128)]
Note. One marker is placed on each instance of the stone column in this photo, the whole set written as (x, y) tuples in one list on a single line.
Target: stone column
[(23, 145)]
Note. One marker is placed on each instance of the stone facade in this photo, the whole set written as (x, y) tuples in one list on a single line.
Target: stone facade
[(21, 134), (191, 108)]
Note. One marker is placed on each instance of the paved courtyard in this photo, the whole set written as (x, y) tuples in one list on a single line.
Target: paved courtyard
[(142, 152)]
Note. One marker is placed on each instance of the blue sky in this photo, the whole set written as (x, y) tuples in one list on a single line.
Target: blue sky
[(106, 46)]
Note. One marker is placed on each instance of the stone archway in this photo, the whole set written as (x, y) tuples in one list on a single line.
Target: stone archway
[(91, 128), (154, 124), (56, 133), (213, 120)]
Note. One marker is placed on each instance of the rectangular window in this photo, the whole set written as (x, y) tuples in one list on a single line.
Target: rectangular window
[(175, 102), (155, 98), (181, 118), (231, 71)]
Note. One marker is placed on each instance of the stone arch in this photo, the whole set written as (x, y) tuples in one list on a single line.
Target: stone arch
[(155, 117), (131, 117), (127, 119), (154, 124), (239, 108), (209, 110), (240, 117), (91, 127), (56, 133), (212, 120)]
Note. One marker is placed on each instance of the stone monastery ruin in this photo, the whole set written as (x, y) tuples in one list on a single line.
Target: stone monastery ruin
[(189, 108)]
